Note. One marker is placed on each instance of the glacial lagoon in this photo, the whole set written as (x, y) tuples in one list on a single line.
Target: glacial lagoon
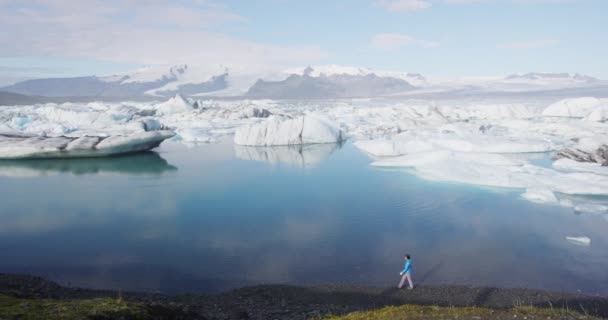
[(210, 217)]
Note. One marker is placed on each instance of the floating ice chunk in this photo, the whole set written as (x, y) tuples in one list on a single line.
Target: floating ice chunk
[(493, 145), (483, 111), (496, 171), (249, 112), (574, 108), (177, 104), (20, 121), (571, 165), (83, 143), (281, 131), (132, 143), (414, 160), (591, 208), (319, 130), (64, 147), (540, 195), (151, 124), (579, 241), (592, 149), (15, 148), (599, 114), (386, 148), (194, 135)]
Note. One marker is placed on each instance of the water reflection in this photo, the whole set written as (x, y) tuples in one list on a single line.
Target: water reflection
[(145, 163), (301, 156), (219, 222)]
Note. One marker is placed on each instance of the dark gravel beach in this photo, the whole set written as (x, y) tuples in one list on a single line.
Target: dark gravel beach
[(292, 302)]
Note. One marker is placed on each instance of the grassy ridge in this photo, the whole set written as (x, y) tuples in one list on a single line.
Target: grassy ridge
[(414, 312), (102, 308)]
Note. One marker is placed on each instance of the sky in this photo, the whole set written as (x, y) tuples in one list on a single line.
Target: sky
[(438, 38)]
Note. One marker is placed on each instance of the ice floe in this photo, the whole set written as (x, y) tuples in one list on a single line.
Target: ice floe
[(579, 241), (65, 147), (540, 195)]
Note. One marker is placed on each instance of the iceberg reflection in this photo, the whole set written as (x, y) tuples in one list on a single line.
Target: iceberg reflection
[(145, 163), (301, 156)]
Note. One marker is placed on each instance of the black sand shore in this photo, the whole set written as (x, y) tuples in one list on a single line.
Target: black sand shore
[(292, 302)]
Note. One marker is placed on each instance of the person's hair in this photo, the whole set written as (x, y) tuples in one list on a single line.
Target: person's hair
[(407, 256)]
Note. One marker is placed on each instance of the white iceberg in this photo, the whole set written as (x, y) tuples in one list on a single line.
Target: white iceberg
[(591, 208), (394, 147), (574, 108), (571, 165), (276, 131), (599, 114), (540, 195), (194, 135), (177, 104), (496, 170), (579, 241), (64, 147)]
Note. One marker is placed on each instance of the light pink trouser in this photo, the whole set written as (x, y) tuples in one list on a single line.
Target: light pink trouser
[(409, 280)]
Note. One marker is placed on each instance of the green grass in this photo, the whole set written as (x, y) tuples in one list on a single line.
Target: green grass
[(103, 308), (415, 312)]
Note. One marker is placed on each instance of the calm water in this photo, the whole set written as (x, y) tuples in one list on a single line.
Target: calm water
[(217, 216)]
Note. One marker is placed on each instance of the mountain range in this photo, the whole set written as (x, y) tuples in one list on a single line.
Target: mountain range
[(318, 82)]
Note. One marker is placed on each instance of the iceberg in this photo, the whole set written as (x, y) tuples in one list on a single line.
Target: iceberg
[(177, 104), (540, 195), (599, 114), (496, 170), (387, 148), (587, 150), (277, 131), (574, 108), (65, 147), (579, 241), (194, 135), (571, 165)]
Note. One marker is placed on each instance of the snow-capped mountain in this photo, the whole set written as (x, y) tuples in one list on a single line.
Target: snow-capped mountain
[(540, 77), (151, 81), (332, 81), (310, 82), (415, 79)]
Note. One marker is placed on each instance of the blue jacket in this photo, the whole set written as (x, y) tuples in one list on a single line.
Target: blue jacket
[(407, 268)]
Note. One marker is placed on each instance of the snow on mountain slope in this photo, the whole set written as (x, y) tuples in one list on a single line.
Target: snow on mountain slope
[(414, 79), (548, 78)]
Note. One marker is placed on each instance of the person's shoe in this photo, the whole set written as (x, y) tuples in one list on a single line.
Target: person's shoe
[(411, 288)]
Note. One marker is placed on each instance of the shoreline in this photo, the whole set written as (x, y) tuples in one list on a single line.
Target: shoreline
[(298, 302)]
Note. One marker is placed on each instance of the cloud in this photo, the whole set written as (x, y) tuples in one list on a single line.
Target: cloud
[(138, 31), (396, 41), (402, 5), (529, 44)]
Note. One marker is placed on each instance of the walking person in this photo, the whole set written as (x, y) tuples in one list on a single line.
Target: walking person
[(406, 273)]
